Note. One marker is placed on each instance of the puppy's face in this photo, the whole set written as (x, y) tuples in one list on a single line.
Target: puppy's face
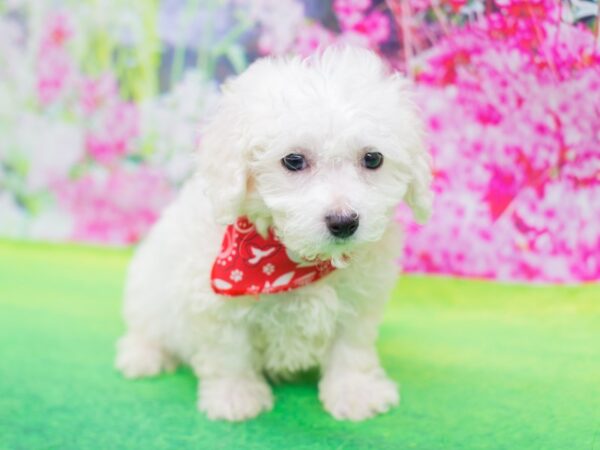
[(330, 178), (323, 148)]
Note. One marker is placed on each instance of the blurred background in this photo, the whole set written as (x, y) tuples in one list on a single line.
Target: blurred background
[(100, 102)]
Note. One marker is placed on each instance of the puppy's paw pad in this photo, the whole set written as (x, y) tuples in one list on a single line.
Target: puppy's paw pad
[(234, 399), (136, 357), (357, 396)]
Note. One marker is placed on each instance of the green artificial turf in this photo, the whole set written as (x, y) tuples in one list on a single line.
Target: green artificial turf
[(481, 365)]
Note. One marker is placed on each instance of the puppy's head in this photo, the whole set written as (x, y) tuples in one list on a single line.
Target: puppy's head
[(322, 148)]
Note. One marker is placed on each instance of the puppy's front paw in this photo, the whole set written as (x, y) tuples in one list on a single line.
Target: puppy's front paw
[(138, 357), (357, 396), (234, 399)]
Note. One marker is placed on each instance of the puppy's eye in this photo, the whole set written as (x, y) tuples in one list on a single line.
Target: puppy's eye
[(294, 162), (372, 160)]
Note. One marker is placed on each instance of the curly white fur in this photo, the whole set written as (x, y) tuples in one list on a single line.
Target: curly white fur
[(332, 108)]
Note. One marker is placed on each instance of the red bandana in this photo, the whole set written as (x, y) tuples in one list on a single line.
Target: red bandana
[(250, 264)]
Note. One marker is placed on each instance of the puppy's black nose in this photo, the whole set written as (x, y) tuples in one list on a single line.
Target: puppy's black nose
[(342, 225)]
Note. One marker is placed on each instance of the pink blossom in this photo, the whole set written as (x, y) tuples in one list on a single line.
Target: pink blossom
[(375, 26), (58, 29), (503, 187), (530, 9), (55, 70), (96, 93), (115, 129), (54, 74), (116, 207), (360, 27), (311, 37), (350, 12), (419, 5), (456, 5), (513, 118)]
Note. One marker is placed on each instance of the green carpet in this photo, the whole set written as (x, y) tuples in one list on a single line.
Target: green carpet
[(481, 366)]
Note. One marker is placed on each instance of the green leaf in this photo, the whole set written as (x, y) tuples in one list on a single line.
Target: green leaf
[(237, 57)]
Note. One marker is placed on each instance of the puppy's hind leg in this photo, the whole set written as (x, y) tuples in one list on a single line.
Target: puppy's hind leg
[(138, 356)]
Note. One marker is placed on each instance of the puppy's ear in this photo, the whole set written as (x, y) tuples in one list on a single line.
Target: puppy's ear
[(222, 160), (419, 195)]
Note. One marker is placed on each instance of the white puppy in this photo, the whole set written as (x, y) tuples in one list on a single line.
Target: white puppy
[(320, 151)]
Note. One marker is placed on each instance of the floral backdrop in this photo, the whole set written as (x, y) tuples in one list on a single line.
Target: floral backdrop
[(100, 102)]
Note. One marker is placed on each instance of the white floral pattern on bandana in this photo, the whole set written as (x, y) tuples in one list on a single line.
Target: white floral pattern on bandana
[(250, 264)]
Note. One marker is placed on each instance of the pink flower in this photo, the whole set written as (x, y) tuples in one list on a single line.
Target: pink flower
[(311, 37), (116, 207), (54, 74), (58, 29), (513, 116), (360, 27), (502, 189), (116, 128), (419, 5), (375, 26), (97, 92), (456, 5), (528, 8), (54, 67), (350, 12)]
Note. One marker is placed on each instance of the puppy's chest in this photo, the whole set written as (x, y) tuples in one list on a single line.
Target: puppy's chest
[(292, 332)]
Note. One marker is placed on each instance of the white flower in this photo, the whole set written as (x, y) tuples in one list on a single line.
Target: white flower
[(51, 151), (236, 275), (268, 269), (170, 123)]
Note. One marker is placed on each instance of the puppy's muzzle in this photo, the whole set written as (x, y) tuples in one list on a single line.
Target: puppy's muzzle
[(342, 225)]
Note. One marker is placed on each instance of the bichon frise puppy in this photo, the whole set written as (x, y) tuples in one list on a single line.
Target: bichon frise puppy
[(279, 255)]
